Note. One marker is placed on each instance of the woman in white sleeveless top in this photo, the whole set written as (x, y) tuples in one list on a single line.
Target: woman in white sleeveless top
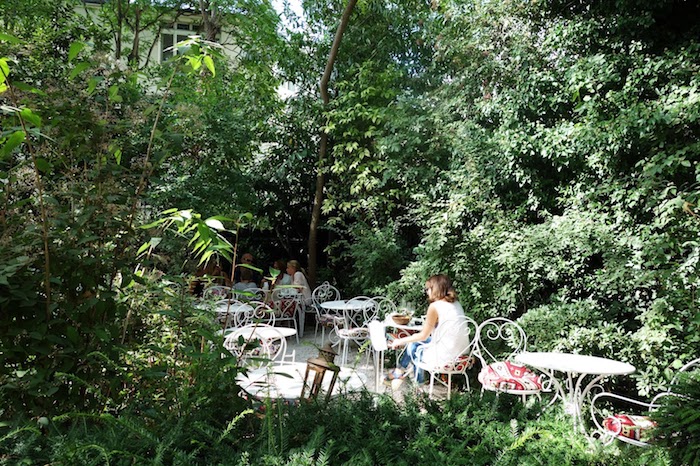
[(441, 325)]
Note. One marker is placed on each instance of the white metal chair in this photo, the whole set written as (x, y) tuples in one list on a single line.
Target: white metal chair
[(634, 429), (227, 312), (324, 292), (352, 325), (463, 330), (385, 306), (286, 303), (498, 340), (251, 294), (256, 345), (216, 292), (255, 312)]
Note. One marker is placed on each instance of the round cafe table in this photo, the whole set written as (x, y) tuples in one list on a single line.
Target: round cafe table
[(341, 308), (576, 368)]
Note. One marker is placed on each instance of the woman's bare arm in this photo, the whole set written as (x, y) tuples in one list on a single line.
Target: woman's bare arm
[(431, 319)]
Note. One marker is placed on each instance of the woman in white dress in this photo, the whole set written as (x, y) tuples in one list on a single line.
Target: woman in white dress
[(440, 324), (299, 280)]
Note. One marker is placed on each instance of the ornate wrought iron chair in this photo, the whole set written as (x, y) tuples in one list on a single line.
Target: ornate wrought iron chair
[(498, 340), (462, 328), (324, 292), (635, 429)]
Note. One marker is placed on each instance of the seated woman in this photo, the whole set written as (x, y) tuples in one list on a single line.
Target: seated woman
[(443, 309), (283, 278), (299, 280)]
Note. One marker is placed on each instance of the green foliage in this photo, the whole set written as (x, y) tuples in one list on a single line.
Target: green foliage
[(374, 256), (71, 198), (469, 429), (677, 420)]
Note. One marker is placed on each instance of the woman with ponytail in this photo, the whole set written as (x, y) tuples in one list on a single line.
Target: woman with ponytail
[(444, 310)]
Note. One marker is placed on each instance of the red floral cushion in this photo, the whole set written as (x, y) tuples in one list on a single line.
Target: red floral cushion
[(286, 308), (461, 364), (326, 320), (508, 376), (632, 427)]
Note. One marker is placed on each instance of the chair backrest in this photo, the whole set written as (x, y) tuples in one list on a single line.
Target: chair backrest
[(324, 292), (286, 302), (455, 337), (377, 335), (250, 294), (257, 344), (385, 306), (365, 312), (256, 312), (499, 339), (216, 292), (689, 366)]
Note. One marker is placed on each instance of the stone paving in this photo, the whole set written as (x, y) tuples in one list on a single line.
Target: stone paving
[(308, 348)]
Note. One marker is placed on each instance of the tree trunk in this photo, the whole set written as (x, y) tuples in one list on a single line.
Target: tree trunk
[(134, 55), (210, 20), (323, 144), (118, 38)]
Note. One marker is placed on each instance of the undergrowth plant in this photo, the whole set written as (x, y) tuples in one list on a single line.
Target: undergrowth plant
[(678, 420)]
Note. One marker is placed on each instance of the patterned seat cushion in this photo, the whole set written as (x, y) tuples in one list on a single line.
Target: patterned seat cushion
[(285, 308), (462, 364), (632, 427), (326, 320), (355, 332), (505, 375)]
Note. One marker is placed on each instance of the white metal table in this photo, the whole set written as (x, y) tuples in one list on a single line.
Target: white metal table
[(264, 332), (413, 326), (286, 381), (340, 308), (576, 367), (349, 311), (343, 305)]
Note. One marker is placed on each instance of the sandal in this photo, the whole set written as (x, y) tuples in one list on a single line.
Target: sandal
[(394, 374)]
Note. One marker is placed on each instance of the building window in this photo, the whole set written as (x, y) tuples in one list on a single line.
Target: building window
[(173, 34)]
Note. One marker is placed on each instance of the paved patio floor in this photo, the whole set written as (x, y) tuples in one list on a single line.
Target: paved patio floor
[(309, 345)]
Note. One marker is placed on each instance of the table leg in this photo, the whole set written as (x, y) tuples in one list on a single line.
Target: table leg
[(378, 369), (580, 394), (302, 320)]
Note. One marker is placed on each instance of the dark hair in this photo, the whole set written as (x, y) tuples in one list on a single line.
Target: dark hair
[(280, 264), (440, 287)]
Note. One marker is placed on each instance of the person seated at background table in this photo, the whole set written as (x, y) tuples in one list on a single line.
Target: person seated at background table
[(213, 272), (246, 259), (442, 309), (283, 278), (299, 280), (246, 280)]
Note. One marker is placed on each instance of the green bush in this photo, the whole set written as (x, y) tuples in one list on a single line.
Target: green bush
[(678, 420)]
